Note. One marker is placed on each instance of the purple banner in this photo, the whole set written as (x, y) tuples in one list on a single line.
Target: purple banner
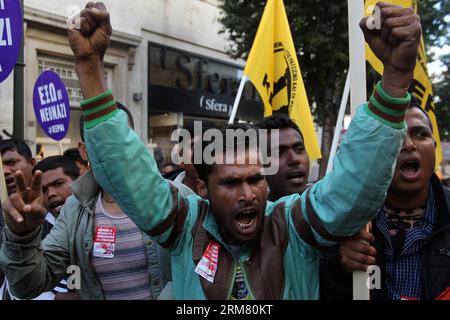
[(11, 27), (51, 105)]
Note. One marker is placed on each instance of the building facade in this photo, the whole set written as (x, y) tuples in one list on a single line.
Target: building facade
[(167, 63)]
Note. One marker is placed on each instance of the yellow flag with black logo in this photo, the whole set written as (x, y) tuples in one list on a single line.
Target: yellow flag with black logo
[(273, 68), (421, 86)]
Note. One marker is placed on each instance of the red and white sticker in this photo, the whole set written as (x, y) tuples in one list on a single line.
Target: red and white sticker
[(207, 266), (105, 242)]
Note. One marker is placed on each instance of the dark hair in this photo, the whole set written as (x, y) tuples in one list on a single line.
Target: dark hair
[(415, 103), (278, 121), (74, 154), (121, 107), (67, 164), (204, 169), (16, 145), (206, 125)]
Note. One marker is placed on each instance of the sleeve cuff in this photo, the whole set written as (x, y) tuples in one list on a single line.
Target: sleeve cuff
[(388, 110), (23, 240), (98, 109)]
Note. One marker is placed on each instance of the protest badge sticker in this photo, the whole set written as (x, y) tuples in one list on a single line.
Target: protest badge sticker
[(207, 266), (104, 242)]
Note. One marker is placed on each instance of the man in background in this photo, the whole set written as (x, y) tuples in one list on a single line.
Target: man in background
[(74, 154)]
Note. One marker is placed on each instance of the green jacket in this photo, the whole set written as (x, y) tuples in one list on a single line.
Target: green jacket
[(284, 262), (33, 267)]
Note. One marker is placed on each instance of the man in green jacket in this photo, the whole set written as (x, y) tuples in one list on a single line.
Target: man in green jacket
[(236, 244)]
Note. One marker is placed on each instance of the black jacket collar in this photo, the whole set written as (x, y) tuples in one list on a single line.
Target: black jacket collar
[(442, 195)]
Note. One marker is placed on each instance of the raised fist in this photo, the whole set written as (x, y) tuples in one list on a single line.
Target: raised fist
[(394, 37), (93, 36)]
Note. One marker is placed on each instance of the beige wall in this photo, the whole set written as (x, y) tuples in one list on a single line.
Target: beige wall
[(6, 106), (44, 42), (189, 25), (193, 21)]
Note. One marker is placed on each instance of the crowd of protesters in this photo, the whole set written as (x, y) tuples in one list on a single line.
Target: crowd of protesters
[(202, 230)]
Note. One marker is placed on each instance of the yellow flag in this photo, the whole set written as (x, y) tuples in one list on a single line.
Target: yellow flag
[(273, 68), (421, 86)]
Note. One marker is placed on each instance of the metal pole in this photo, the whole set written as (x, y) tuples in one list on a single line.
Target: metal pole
[(19, 110), (357, 97), (60, 148), (340, 120), (357, 55), (238, 99)]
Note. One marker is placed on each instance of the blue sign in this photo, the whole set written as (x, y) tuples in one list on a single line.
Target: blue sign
[(51, 105), (11, 27)]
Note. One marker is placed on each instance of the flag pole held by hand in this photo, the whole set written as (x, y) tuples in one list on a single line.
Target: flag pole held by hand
[(358, 96)]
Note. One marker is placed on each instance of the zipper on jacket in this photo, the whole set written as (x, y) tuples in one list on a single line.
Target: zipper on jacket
[(231, 284), (444, 251), (244, 273)]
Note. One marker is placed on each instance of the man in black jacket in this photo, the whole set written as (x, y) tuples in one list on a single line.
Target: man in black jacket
[(410, 239)]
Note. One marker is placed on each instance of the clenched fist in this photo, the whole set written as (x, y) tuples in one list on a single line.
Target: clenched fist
[(395, 43), (93, 36)]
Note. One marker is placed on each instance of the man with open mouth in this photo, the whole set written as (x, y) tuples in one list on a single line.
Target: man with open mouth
[(58, 173), (410, 235), (235, 244)]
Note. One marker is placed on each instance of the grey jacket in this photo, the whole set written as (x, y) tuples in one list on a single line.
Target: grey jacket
[(33, 266)]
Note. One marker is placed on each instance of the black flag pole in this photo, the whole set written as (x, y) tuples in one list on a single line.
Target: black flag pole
[(18, 112)]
